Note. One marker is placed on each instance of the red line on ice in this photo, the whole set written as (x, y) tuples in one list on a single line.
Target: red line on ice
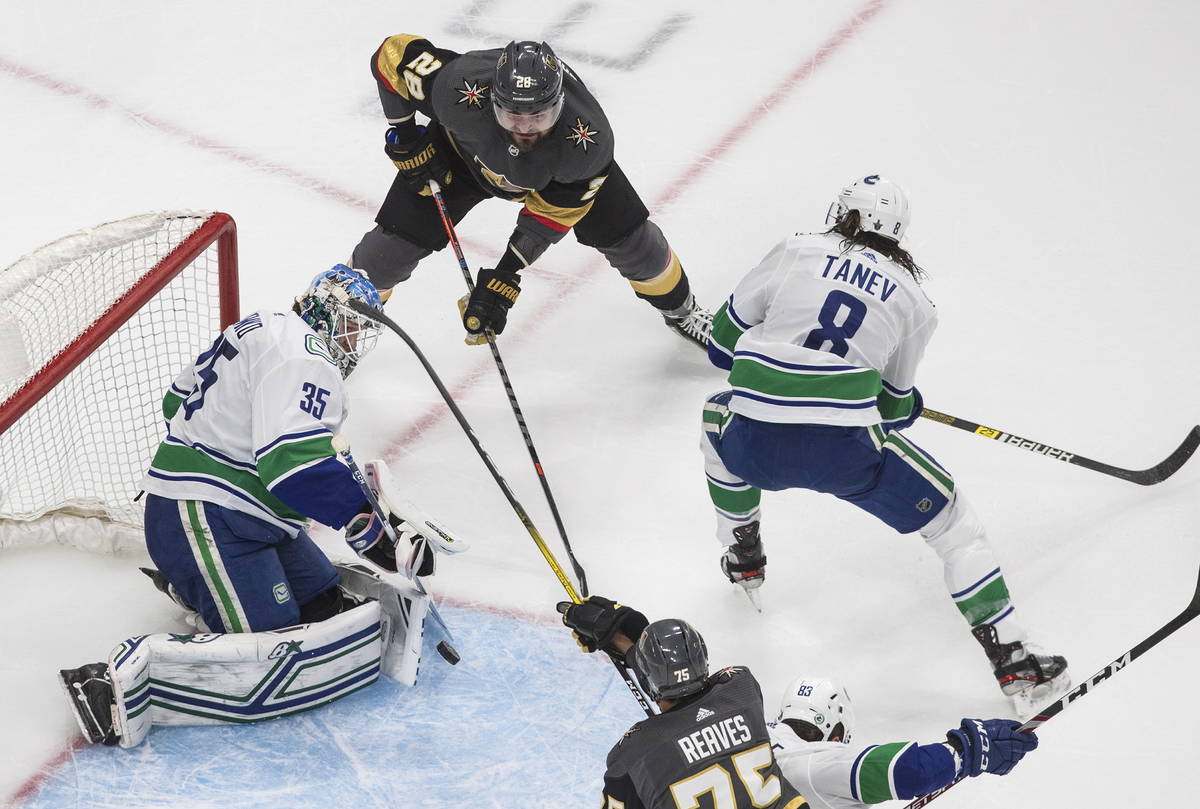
[(436, 412)]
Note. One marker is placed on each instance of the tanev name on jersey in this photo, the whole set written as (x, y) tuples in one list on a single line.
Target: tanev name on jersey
[(865, 278)]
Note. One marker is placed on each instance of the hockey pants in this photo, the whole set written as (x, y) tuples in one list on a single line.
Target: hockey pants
[(881, 472), (240, 573)]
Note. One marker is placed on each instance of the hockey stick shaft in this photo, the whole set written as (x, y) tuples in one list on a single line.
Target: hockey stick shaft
[(1087, 686), (512, 395), (522, 515), (342, 447), (1144, 477)]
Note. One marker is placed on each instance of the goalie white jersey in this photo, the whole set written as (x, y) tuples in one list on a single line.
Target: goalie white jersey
[(816, 334), (249, 417)]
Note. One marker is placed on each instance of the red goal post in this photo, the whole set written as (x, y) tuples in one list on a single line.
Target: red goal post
[(93, 328)]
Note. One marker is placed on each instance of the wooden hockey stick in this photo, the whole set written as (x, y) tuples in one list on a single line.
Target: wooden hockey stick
[(1145, 477), (1085, 687), (522, 515), (508, 389)]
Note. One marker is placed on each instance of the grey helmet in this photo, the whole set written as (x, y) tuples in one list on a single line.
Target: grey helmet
[(671, 659), (527, 90)]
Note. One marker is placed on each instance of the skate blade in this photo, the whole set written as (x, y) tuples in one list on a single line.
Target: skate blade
[(754, 596), (1026, 704)]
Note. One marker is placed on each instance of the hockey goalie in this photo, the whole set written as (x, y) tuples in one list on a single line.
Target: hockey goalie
[(248, 459)]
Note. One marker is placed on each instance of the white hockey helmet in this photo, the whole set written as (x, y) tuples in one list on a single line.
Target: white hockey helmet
[(882, 206), (817, 709)]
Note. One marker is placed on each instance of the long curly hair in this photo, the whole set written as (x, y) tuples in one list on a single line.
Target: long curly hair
[(849, 227)]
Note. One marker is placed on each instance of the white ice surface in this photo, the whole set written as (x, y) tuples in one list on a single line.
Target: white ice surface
[(1049, 149)]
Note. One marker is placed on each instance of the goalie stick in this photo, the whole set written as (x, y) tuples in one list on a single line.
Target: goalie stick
[(446, 647), (1144, 477), (522, 515), (1084, 688), (512, 395)]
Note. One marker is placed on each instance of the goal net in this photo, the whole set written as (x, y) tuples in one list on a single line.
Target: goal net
[(93, 328)]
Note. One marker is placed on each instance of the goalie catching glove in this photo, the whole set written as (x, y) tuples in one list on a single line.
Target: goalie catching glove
[(367, 535), (596, 620)]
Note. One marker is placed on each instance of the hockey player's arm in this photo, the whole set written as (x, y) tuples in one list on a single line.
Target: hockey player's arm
[(406, 67), (745, 308), (546, 217), (620, 793), (181, 388), (298, 408), (900, 403)]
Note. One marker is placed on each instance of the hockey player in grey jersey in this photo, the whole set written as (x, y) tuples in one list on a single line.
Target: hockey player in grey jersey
[(822, 341), (518, 124), (711, 736), (812, 740)]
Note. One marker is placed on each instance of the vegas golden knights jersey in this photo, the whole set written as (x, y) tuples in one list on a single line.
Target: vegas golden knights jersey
[(711, 751), (556, 181)]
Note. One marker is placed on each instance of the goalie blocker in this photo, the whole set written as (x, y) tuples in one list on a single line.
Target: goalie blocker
[(209, 678)]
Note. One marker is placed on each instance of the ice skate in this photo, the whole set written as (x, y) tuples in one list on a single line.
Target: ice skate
[(91, 694), (1027, 676), (695, 322), (744, 563)]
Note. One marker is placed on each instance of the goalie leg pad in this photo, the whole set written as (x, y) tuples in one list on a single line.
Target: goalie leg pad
[(167, 679), (402, 611)]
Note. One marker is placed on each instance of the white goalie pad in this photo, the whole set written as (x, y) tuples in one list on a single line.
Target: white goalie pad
[(379, 478), (209, 678)]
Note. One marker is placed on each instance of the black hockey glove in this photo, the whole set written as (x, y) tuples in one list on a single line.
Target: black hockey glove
[(597, 619), (494, 294), (417, 153), (990, 745)]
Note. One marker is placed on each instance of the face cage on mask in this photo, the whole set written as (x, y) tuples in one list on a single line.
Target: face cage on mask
[(529, 123), (352, 339)]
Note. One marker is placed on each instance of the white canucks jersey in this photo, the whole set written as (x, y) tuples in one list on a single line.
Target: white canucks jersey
[(816, 334), (832, 775), (261, 405)]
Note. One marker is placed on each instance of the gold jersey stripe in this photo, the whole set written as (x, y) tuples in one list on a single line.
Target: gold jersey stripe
[(662, 283), (389, 59), (567, 217)]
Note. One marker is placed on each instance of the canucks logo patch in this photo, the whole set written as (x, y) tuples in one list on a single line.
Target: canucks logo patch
[(581, 134), (313, 344), (472, 94)]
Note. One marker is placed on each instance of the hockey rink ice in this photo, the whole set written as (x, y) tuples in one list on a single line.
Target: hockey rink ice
[(1048, 147)]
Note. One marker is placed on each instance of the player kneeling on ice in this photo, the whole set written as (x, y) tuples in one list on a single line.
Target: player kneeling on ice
[(822, 341), (711, 736), (246, 462), (812, 742)]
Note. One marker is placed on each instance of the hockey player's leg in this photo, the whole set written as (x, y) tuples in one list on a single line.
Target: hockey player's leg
[(168, 679), (225, 563), (977, 586), (618, 226), (409, 228), (735, 502)]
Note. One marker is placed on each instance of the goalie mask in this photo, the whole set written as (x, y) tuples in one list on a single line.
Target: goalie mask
[(881, 204), (324, 306), (817, 709)]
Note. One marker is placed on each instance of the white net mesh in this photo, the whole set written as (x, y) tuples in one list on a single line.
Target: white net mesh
[(82, 447)]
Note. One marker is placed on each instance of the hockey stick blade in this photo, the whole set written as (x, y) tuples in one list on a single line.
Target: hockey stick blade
[(1087, 686), (1143, 477)]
